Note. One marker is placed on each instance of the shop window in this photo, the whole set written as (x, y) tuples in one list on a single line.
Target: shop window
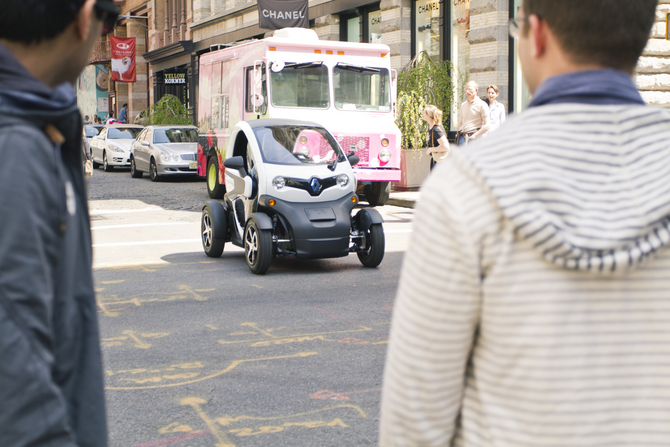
[(459, 28), (361, 25), (427, 19), (375, 26), (520, 94)]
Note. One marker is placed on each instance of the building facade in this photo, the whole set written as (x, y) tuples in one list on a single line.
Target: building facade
[(472, 34)]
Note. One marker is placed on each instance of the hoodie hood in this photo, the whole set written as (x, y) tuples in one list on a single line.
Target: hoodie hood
[(21, 94), (585, 185)]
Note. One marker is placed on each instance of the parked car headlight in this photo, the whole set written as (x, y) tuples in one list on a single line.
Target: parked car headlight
[(113, 148), (385, 155), (278, 182), (343, 180), (167, 157)]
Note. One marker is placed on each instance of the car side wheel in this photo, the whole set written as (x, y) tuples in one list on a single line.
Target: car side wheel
[(106, 165), (373, 253), (214, 188), (212, 242), (153, 171), (96, 165), (134, 173), (257, 248), (377, 193)]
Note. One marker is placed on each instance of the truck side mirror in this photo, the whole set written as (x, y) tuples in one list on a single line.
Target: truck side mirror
[(353, 158), (234, 162)]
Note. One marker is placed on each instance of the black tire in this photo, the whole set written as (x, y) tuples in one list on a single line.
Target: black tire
[(377, 193), (134, 173), (257, 247), (214, 188), (106, 165), (374, 242), (153, 172), (96, 165), (212, 242)]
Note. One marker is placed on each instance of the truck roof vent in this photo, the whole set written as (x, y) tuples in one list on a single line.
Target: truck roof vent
[(301, 34)]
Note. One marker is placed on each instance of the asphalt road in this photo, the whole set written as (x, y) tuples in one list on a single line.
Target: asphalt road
[(200, 352)]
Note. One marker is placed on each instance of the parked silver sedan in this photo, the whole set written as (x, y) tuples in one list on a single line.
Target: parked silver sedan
[(165, 150), (112, 146)]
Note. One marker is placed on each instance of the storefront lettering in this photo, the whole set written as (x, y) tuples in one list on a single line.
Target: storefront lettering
[(375, 20), (461, 2), (175, 78), (286, 15), (429, 7)]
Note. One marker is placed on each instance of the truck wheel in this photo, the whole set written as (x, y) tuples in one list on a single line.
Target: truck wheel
[(134, 173), (214, 188), (374, 247), (212, 242), (257, 248), (377, 193)]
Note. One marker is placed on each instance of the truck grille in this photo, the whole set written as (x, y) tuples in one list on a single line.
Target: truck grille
[(359, 145)]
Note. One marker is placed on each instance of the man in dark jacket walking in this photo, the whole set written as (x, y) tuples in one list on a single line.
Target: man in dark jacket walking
[(51, 381)]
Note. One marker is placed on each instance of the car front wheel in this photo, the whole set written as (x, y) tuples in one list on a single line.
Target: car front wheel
[(257, 248), (134, 173), (153, 171), (106, 165), (373, 253)]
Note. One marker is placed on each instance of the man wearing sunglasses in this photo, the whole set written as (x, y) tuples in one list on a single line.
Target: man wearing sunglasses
[(51, 381), (534, 302)]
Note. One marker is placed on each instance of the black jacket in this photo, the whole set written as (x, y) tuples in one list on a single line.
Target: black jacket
[(51, 382)]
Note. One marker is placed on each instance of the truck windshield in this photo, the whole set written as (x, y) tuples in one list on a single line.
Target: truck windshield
[(300, 85), (361, 88), (295, 145)]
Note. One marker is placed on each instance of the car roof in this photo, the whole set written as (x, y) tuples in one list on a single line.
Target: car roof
[(124, 126), (266, 122)]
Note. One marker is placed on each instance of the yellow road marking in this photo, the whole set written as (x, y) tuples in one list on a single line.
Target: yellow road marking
[(195, 403), (227, 420), (262, 331)]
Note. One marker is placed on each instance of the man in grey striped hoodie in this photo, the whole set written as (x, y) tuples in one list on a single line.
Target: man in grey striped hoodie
[(534, 301)]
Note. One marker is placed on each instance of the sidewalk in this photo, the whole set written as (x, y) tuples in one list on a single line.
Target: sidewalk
[(404, 199)]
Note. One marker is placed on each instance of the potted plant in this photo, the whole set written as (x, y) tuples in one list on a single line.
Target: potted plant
[(423, 81)]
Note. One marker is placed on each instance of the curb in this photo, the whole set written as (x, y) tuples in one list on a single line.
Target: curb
[(403, 203)]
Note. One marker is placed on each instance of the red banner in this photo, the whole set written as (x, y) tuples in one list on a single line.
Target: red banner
[(123, 58)]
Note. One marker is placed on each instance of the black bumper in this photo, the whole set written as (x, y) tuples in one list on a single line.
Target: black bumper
[(318, 230)]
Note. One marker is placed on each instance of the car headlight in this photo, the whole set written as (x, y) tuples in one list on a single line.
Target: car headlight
[(304, 151), (113, 148), (167, 157), (343, 180), (278, 182), (385, 155)]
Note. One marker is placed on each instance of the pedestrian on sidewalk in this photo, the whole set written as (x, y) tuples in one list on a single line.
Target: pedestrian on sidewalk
[(474, 116), (123, 115), (51, 378), (534, 301), (436, 140), (496, 110)]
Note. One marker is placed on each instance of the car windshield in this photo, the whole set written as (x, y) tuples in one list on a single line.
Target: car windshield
[(175, 135), (300, 85), (294, 145), (123, 133), (361, 88), (92, 131)]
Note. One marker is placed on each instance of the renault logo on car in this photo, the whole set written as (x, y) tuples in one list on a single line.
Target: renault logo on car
[(315, 184)]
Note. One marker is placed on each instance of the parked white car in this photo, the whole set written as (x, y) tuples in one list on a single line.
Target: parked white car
[(111, 147), (165, 150)]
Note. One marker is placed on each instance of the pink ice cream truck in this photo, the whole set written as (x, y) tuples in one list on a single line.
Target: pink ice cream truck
[(348, 88)]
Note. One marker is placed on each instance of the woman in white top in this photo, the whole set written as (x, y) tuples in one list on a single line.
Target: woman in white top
[(497, 110)]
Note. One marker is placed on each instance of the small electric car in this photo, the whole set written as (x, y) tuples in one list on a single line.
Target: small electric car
[(290, 191)]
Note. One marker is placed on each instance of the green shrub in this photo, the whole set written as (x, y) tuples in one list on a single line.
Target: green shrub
[(169, 110)]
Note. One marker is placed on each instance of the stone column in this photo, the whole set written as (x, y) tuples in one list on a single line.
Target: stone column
[(136, 92), (396, 29), (328, 27), (489, 45), (653, 69)]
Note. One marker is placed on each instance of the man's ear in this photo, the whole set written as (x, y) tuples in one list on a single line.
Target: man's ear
[(538, 35), (84, 20)]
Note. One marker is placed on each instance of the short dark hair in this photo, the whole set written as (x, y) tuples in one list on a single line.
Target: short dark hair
[(32, 21), (125, 105), (611, 33)]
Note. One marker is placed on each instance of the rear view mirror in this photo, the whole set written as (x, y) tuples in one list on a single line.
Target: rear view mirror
[(234, 162), (353, 159), (144, 143)]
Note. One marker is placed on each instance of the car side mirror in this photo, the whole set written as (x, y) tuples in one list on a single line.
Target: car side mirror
[(144, 143), (353, 159), (234, 162)]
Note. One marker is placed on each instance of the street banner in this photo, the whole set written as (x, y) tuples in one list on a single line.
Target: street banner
[(277, 14), (123, 58)]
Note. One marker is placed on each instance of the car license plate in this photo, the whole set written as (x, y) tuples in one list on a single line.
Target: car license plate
[(316, 214), (193, 165)]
